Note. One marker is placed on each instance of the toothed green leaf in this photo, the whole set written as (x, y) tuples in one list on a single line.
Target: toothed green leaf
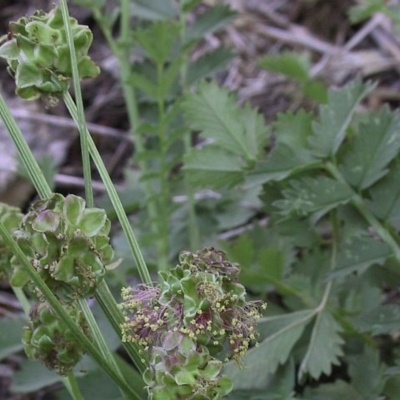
[(385, 196), (213, 167), (314, 195), (335, 118), (382, 320), (294, 65), (324, 349), (372, 149), (214, 19), (213, 111), (358, 254)]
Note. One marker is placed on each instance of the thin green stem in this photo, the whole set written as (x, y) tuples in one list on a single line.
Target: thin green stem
[(121, 50), (194, 233), (65, 317), (73, 387), (99, 338), (115, 316), (115, 200), (335, 241), (164, 199), (31, 166), (81, 121)]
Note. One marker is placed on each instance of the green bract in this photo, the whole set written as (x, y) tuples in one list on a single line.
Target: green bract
[(48, 339), (200, 304), (10, 217), (38, 54), (66, 243)]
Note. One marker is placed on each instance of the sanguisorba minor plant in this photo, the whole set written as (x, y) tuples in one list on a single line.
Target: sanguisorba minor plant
[(178, 332), (329, 256)]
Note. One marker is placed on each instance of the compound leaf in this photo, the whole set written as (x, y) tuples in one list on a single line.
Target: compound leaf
[(335, 117)]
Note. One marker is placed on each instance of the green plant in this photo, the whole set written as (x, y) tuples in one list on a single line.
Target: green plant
[(328, 185), (153, 89), (327, 259), (61, 249)]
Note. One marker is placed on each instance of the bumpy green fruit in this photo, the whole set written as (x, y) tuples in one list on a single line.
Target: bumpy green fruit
[(38, 54), (67, 244), (48, 339)]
